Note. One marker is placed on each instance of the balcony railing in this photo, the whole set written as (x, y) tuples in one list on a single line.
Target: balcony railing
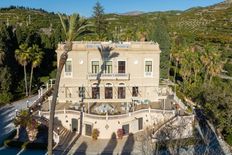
[(109, 76)]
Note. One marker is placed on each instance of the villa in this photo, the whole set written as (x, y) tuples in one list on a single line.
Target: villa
[(115, 85), (132, 73)]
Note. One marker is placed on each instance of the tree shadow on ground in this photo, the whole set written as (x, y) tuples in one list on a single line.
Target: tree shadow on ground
[(81, 150), (57, 121), (109, 149), (129, 145)]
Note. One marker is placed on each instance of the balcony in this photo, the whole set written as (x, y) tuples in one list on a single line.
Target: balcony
[(67, 74), (109, 76)]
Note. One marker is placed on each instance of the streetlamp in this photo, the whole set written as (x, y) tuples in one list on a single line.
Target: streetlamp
[(31, 111), (16, 112), (58, 130), (39, 105), (27, 104)]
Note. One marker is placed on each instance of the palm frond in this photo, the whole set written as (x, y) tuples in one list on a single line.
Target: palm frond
[(63, 23)]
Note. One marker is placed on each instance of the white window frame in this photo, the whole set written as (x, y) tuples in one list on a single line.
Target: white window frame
[(125, 67), (68, 74), (99, 65), (112, 67), (144, 67)]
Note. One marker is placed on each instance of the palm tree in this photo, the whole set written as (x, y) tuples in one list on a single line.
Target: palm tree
[(211, 59), (2, 56), (74, 26), (36, 56), (197, 65), (25, 120), (176, 55), (22, 55)]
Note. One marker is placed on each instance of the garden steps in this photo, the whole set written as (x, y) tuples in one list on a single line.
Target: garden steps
[(66, 138)]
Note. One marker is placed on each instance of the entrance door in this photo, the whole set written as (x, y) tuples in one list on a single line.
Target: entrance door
[(126, 129), (74, 124), (88, 129)]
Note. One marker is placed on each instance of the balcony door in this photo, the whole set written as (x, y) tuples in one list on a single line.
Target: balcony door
[(108, 91), (121, 66), (95, 91), (95, 67), (121, 91), (108, 67)]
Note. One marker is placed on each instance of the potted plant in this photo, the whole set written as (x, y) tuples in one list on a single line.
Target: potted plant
[(32, 129), (95, 134), (120, 133)]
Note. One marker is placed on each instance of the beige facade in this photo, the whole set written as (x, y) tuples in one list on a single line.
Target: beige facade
[(108, 124), (133, 73)]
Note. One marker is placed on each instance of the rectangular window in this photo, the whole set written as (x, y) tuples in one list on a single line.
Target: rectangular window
[(148, 66), (95, 67), (135, 91), (81, 92), (108, 67), (88, 130), (126, 129), (108, 92), (95, 92), (121, 92), (140, 123), (121, 67), (68, 68)]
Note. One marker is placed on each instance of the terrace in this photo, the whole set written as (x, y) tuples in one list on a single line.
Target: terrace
[(113, 108)]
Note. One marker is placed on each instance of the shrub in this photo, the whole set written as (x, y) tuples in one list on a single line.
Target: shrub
[(95, 134), (120, 133), (228, 139), (13, 143), (5, 98), (39, 146), (24, 145)]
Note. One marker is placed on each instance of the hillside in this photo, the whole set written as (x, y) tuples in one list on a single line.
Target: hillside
[(211, 23), (198, 39), (21, 16)]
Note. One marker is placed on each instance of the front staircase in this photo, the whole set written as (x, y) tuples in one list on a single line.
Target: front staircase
[(66, 139)]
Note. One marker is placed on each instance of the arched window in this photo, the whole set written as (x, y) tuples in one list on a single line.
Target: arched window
[(122, 84), (95, 91), (108, 91), (109, 85), (121, 91)]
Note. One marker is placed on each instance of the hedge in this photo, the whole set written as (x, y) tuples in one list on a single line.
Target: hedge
[(37, 146), (13, 143)]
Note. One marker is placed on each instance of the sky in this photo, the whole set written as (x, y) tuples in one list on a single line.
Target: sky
[(85, 7)]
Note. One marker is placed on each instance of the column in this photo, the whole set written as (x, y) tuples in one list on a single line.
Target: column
[(164, 106), (39, 93), (51, 82), (49, 105), (106, 116)]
